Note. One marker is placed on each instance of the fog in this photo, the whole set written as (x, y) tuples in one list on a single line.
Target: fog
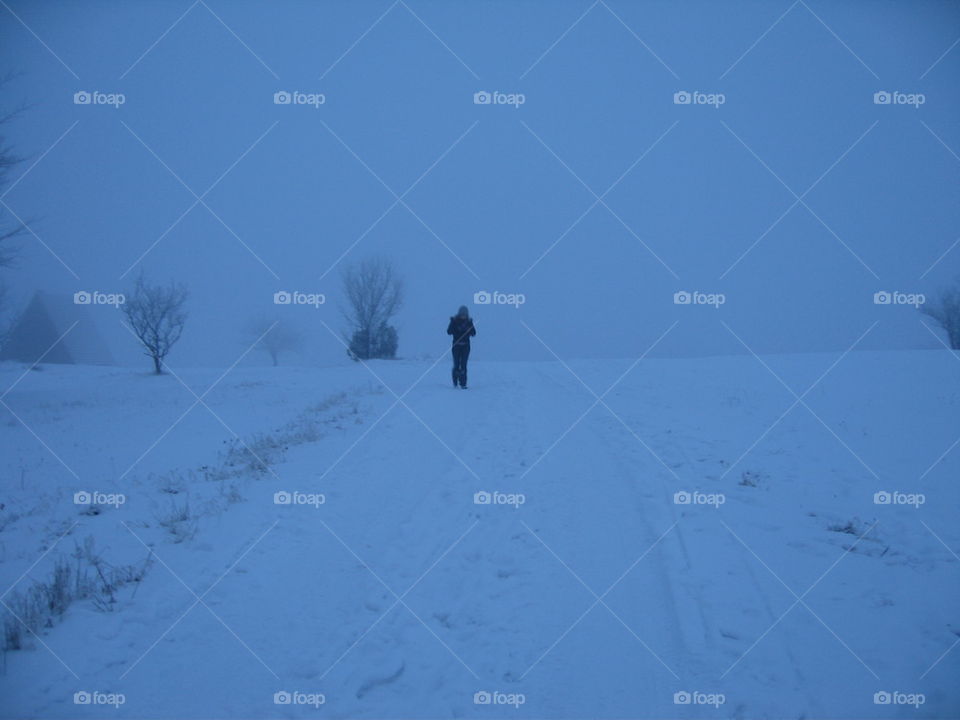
[(783, 188)]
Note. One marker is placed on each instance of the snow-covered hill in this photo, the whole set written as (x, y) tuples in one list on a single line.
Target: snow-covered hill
[(601, 539)]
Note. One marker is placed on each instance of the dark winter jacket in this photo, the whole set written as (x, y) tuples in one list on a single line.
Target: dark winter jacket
[(462, 330)]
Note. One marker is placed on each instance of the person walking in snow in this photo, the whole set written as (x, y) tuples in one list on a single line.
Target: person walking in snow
[(462, 329)]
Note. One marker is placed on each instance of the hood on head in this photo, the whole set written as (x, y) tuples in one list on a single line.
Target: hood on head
[(463, 312)]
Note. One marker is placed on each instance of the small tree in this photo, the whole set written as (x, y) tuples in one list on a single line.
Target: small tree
[(945, 310), (374, 295), (156, 314), (8, 161), (277, 337)]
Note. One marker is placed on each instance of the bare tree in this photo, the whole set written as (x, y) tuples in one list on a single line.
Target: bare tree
[(156, 315), (275, 335), (374, 293), (8, 161), (945, 310)]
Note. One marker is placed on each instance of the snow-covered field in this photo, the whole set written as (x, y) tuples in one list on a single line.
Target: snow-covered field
[(585, 587)]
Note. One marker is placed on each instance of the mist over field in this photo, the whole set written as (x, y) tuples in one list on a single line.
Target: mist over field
[(698, 260)]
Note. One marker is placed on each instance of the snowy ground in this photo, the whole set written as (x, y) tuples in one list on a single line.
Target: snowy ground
[(399, 596)]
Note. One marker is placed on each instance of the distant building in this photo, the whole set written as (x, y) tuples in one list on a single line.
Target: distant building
[(56, 329)]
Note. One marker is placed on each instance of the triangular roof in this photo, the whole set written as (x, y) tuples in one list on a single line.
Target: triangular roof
[(54, 329)]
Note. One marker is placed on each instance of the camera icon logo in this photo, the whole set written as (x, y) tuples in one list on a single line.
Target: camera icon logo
[(882, 498), (481, 298), (682, 297), (82, 97), (282, 97), (682, 97), (282, 498), (282, 698), (282, 297), (681, 498), (482, 98), (882, 98), (681, 698), (882, 298), (482, 697), (82, 698), (482, 498), (82, 498), (82, 297), (882, 698)]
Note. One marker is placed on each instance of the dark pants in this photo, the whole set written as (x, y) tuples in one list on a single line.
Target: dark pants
[(460, 355)]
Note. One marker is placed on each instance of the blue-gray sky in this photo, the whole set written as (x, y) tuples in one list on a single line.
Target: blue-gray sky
[(705, 203)]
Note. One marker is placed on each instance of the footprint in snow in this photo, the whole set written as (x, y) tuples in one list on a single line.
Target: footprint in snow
[(378, 681)]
